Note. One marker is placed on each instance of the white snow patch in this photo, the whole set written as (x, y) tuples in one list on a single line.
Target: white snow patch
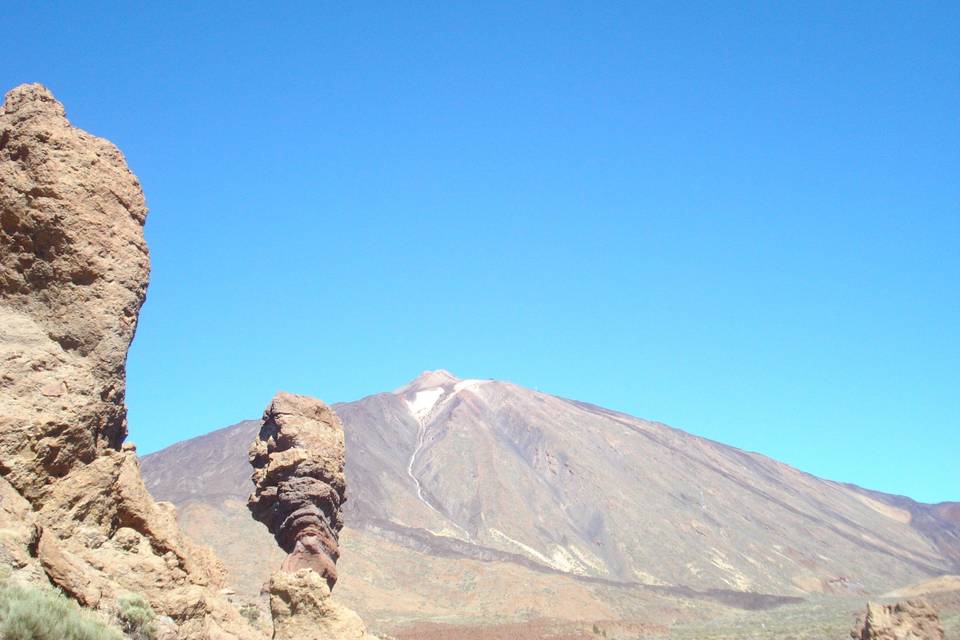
[(529, 550), (647, 578), (469, 385), (561, 559), (424, 402), (450, 533), (588, 559), (564, 560)]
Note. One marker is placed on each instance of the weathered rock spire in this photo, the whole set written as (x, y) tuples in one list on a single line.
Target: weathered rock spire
[(298, 459)]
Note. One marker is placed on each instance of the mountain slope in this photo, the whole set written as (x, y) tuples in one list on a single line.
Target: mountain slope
[(502, 474)]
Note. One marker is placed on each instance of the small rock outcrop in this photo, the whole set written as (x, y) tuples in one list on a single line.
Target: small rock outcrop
[(299, 489), (74, 267), (302, 609), (911, 620)]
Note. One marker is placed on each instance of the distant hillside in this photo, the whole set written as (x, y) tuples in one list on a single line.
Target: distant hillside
[(469, 497)]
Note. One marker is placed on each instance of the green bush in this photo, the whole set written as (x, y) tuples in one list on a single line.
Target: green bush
[(137, 618), (43, 614)]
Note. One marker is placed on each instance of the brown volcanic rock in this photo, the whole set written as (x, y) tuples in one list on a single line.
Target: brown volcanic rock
[(299, 485), (73, 275), (302, 609), (911, 620), (298, 460)]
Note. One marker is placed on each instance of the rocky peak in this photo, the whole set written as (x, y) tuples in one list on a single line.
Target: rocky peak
[(32, 100), (427, 394), (428, 380)]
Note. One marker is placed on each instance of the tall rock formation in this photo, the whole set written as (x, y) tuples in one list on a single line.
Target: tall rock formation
[(911, 620), (299, 488), (73, 275), (299, 484)]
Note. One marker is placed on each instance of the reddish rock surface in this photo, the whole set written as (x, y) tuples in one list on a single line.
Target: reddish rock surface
[(299, 485), (298, 460)]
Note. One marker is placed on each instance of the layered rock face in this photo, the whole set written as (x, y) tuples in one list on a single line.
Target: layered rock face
[(299, 488), (911, 620), (298, 463), (73, 275)]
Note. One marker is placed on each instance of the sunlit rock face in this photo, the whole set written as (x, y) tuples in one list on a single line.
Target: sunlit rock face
[(73, 275), (302, 609)]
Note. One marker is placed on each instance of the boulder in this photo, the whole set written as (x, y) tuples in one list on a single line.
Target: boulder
[(911, 620), (302, 609)]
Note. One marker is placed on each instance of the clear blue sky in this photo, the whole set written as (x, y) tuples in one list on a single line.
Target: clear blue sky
[(740, 219)]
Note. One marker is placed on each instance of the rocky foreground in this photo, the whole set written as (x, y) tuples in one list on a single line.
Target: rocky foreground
[(900, 621), (73, 275), (74, 511)]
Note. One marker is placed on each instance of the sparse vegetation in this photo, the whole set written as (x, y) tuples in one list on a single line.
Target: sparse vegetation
[(251, 612), (137, 618), (28, 613)]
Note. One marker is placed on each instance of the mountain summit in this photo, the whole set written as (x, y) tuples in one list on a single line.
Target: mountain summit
[(593, 492), (428, 380), (524, 481)]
